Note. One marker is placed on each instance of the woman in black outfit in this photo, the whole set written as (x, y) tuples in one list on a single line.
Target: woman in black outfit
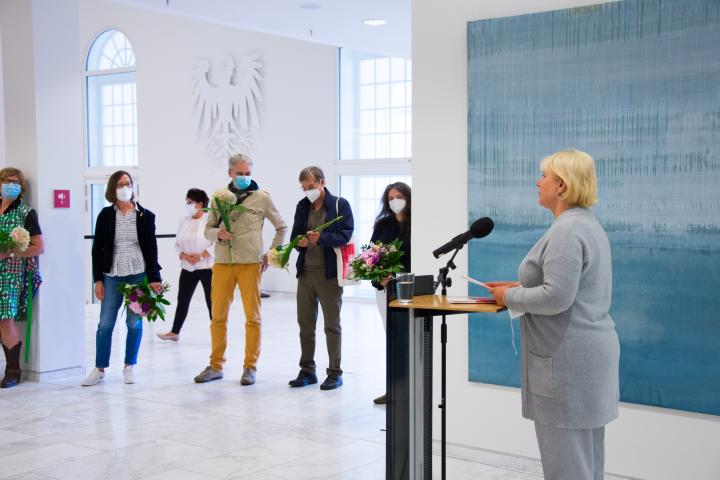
[(392, 223)]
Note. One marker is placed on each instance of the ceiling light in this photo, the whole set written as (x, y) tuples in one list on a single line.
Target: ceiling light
[(374, 22), (310, 6)]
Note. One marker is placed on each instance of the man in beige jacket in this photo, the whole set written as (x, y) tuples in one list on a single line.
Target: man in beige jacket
[(239, 260)]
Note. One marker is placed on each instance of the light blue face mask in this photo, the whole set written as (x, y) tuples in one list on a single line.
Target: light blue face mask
[(242, 181), (10, 190)]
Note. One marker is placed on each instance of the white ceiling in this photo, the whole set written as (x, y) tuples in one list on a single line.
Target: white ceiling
[(337, 22)]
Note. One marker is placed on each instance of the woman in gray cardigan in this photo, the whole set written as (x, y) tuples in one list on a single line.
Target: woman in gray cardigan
[(570, 349)]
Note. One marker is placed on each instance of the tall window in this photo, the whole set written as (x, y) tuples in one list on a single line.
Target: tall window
[(111, 102), (375, 136), (375, 106), (111, 125)]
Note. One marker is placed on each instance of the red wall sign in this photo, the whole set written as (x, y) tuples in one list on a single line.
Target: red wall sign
[(61, 198)]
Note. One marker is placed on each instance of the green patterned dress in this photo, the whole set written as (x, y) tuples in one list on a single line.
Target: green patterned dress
[(18, 276)]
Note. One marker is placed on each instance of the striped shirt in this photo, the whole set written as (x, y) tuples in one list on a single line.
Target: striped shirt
[(127, 256)]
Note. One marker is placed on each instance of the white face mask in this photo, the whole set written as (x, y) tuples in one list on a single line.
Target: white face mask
[(124, 194), (397, 205), (312, 195), (191, 209)]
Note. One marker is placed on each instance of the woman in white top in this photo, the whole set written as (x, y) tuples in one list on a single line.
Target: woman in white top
[(195, 257)]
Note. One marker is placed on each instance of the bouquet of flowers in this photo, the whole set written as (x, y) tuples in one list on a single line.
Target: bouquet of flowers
[(142, 300), (17, 240), (377, 261), (280, 255), (224, 201)]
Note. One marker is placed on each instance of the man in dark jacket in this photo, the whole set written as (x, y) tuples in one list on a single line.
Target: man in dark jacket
[(317, 274)]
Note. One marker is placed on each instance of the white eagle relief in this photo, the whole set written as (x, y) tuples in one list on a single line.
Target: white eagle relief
[(226, 104)]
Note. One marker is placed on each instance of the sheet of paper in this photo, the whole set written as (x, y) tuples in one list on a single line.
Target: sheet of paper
[(476, 282)]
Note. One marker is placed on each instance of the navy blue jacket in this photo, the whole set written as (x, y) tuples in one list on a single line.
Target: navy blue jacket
[(104, 243), (336, 235)]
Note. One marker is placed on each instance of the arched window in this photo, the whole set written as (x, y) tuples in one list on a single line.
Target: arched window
[(111, 102)]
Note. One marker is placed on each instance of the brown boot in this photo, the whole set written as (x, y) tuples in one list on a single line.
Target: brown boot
[(12, 367)]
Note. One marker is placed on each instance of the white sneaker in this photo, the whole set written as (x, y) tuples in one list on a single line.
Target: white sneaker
[(94, 378), (128, 374)]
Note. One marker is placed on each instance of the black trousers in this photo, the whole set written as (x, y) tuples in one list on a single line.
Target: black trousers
[(188, 282)]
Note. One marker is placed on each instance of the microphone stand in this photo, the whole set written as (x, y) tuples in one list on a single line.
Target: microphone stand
[(444, 281)]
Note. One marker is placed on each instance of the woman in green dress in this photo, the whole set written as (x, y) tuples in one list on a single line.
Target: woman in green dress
[(19, 274)]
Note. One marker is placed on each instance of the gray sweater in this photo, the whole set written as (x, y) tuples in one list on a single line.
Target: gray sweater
[(570, 349)]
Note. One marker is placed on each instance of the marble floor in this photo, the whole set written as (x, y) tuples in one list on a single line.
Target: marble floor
[(165, 427)]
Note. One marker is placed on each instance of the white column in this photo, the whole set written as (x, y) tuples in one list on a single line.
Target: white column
[(42, 75), (2, 108)]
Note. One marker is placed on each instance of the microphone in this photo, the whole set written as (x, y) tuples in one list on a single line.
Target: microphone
[(479, 229)]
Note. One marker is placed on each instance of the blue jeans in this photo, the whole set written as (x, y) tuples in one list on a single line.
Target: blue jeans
[(108, 315)]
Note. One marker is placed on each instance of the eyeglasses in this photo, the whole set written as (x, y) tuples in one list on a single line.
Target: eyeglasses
[(11, 180)]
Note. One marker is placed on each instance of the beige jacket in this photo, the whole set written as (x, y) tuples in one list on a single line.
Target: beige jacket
[(246, 245)]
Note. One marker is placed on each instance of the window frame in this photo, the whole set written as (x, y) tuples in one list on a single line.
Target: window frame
[(354, 100), (87, 74)]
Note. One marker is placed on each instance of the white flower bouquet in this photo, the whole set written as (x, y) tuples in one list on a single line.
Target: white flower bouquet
[(17, 240)]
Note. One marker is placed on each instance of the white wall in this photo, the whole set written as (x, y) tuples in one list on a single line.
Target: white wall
[(40, 59), (43, 130), (2, 108), (298, 119), (644, 442)]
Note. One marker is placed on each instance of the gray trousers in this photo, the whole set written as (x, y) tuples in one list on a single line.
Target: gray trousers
[(314, 288), (571, 454)]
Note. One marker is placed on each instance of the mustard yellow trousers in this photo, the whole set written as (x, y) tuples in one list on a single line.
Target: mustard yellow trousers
[(225, 276)]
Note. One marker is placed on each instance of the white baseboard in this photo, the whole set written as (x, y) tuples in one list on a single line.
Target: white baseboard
[(503, 460), (53, 374)]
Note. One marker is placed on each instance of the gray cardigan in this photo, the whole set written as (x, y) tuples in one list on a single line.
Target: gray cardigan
[(570, 349)]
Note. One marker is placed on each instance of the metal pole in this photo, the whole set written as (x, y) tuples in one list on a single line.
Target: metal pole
[(443, 398)]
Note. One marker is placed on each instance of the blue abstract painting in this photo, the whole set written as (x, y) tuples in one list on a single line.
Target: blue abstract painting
[(637, 85)]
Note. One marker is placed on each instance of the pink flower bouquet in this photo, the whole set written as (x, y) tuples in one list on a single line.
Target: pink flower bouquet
[(377, 261), (143, 301)]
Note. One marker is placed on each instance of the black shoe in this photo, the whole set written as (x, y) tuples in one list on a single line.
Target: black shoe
[(381, 400), (264, 295), (303, 379), (331, 382)]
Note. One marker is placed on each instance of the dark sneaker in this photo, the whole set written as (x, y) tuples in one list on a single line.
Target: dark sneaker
[(381, 400), (303, 379), (208, 375), (331, 382), (248, 376)]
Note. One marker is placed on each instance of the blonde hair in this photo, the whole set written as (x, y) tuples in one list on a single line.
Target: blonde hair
[(13, 172), (577, 171)]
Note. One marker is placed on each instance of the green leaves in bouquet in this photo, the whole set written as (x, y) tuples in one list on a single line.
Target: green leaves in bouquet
[(376, 265), (5, 242), (155, 302), (280, 256), (224, 210)]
